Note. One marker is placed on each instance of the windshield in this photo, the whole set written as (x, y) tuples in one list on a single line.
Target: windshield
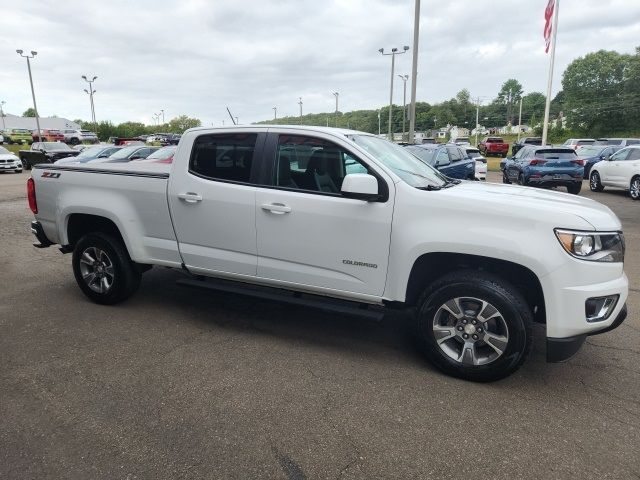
[(163, 153), (56, 146), (90, 152), (4, 151), (589, 151), (427, 155), (401, 162), (124, 152)]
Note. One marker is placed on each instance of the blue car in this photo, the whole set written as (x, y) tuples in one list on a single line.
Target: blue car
[(592, 154), (450, 159), (544, 167)]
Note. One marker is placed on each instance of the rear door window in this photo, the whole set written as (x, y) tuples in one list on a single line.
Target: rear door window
[(454, 154), (225, 156)]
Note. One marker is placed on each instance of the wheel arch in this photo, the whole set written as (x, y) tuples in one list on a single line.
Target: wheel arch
[(431, 266), (79, 224)]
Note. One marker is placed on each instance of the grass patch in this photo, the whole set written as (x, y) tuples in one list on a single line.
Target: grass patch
[(15, 147)]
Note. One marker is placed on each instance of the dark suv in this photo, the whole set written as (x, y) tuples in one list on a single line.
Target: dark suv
[(449, 159), (525, 141)]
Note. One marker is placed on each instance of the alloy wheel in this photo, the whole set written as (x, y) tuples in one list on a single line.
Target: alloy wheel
[(97, 269), (470, 331), (634, 190), (595, 181)]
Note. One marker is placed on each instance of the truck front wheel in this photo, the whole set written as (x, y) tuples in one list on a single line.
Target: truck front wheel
[(474, 325), (103, 269)]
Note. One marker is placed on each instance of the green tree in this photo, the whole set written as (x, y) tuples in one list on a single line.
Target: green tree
[(182, 123), (508, 96), (533, 107), (594, 87), (29, 112)]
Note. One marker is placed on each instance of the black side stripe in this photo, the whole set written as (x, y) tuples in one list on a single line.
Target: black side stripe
[(127, 173)]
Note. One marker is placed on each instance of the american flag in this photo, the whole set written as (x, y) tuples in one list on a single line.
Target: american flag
[(548, 16)]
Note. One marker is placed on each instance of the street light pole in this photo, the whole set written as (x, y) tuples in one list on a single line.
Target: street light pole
[(378, 122), (91, 92), (336, 94), (414, 72), (477, 119), (394, 52), (404, 79), (162, 116), (520, 119), (33, 95), (2, 114), (275, 113), (300, 103)]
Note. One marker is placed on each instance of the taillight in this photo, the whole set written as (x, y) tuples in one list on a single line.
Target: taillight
[(537, 161), (578, 162), (31, 195)]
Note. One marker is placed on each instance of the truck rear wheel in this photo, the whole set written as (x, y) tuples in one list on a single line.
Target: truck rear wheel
[(103, 269), (474, 325)]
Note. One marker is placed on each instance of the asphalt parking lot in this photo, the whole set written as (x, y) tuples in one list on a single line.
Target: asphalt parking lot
[(180, 383)]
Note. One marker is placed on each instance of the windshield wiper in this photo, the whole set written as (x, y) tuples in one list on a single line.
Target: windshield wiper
[(429, 188)]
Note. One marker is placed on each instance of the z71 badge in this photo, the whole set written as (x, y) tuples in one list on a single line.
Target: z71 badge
[(50, 175)]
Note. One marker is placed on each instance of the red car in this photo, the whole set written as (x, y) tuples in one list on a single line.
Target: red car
[(493, 146), (48, 135)]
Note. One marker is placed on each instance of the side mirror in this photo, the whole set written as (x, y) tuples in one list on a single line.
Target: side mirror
[(361, 186)]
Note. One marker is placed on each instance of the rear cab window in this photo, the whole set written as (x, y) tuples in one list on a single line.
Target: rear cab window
[(223, 156)]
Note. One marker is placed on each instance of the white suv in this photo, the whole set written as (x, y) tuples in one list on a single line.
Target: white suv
[(620, 170)]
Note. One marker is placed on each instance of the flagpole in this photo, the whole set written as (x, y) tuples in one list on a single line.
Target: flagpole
[(545, 125)]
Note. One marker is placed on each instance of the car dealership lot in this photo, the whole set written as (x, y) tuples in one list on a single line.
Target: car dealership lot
[(188, 383)]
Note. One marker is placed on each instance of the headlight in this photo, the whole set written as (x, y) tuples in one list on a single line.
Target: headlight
[(593, 246)]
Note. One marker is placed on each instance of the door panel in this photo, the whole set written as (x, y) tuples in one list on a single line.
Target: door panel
[(308, 233), (213, 211)]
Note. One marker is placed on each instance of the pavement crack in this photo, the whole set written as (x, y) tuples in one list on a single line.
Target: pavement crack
[(608, 347)]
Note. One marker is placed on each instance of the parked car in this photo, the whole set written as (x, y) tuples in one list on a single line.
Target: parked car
[(545, 167), (462, 141), (162, 155), (517, 145), (619, 142), (449, 159), (89, 154), (9, 162), (17, 135), (126, 154), (47, 135), (493, 146), (1, 138), (74, 137), (429, 140), (481, 162), (578, 142), (592, 154), (45, 152), (123, 141), (369, 228), (620, 170)]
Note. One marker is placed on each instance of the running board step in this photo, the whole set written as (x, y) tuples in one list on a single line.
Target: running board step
[(357, 309)]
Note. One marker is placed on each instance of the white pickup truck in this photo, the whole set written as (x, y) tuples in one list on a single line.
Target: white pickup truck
[(346, 221)]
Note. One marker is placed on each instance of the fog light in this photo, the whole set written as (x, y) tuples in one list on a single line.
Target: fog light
[(597, 309)]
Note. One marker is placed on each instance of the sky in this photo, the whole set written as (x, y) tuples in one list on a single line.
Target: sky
[(197, 57)]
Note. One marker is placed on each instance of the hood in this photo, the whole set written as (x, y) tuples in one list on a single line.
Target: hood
[(8, 156), (564, 210)]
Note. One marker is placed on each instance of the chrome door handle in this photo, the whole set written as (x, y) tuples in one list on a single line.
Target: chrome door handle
[(190, 197), (278, 208)]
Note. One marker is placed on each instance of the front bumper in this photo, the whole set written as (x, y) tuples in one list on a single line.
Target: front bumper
[(11, 166), (562, 349)]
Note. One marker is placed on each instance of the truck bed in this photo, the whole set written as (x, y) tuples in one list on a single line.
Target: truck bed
[(131, 194)]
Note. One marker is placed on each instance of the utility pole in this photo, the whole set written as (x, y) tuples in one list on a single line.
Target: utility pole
[(404, 79), (300, 103), (520, 119), (394, 52), (275, 113), (2, 113), (336, 94), (477, 119), (378, 122), (33, 95), (414, 72)]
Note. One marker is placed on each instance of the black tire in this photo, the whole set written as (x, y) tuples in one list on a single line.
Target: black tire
[(575, 189), (595, 185), (505, 177), (74, 141), (484, 286), (634, 188), (125, 276), (521, 180)]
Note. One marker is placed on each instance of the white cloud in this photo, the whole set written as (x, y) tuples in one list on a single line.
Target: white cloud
[(196, 57)]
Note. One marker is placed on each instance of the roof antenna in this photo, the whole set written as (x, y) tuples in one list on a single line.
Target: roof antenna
[(232, 119)]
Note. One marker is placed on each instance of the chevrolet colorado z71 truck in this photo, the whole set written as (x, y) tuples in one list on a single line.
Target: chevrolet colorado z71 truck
[(349, 222)]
